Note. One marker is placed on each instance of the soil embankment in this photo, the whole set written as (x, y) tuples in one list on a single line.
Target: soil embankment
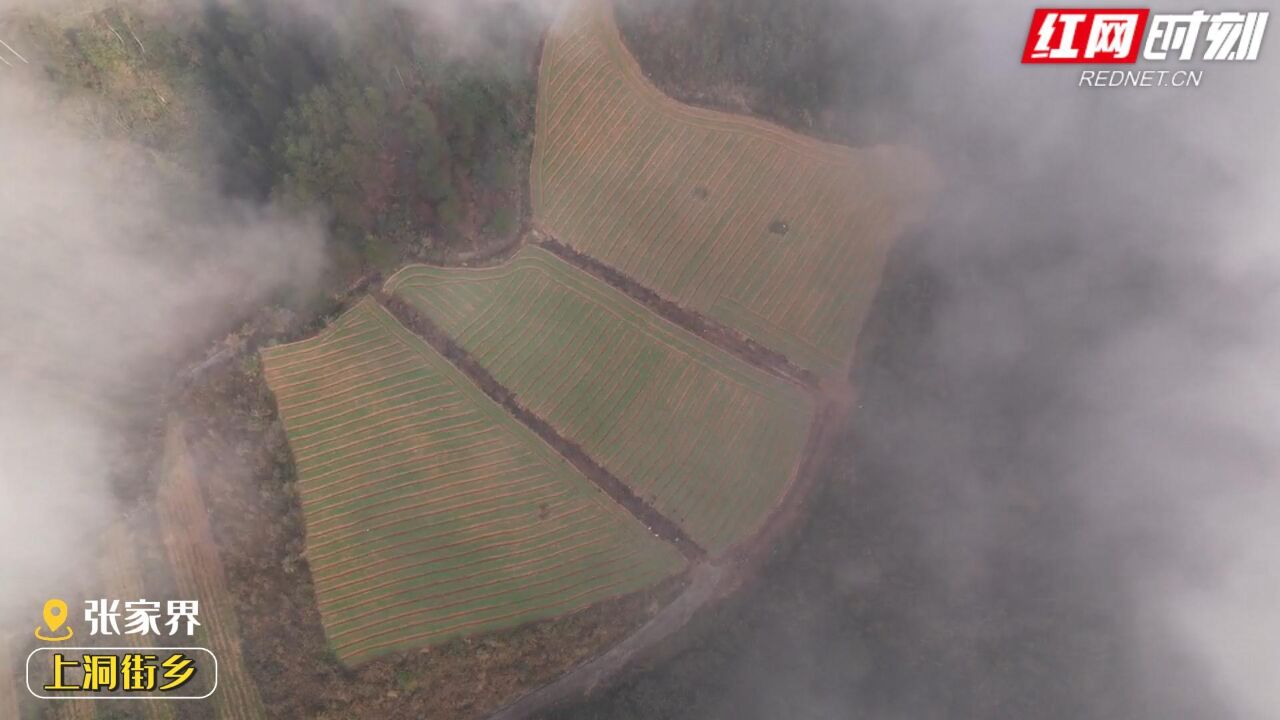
[(722, 336)]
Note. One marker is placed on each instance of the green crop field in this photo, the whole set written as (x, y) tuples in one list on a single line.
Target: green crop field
[(430, 512), (709, 440), (778, 235)]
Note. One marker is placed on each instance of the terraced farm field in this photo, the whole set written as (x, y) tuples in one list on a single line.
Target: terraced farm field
[(121, 574), (775, 234), (430, 512), (198, 574), (708, 440)]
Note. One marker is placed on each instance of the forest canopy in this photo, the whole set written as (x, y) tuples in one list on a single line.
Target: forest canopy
[(414, 147)]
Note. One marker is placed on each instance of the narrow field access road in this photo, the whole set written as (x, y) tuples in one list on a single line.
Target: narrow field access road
[(704, 582)]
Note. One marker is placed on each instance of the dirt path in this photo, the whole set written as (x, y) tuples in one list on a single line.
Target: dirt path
[(705, 583)]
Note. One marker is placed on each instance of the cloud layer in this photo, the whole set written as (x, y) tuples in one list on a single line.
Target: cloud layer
[(1112, 270), (113, 266)]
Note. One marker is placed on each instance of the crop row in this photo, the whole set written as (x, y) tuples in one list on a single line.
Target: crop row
[(430, 512), (778, 235), (710, 441), (198, 575), (123, 577)]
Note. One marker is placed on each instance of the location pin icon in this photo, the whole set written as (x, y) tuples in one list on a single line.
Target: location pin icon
[(55, 613), (55, 616)]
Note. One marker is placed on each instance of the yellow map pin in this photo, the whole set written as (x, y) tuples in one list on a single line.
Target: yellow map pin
[(55, 614)]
